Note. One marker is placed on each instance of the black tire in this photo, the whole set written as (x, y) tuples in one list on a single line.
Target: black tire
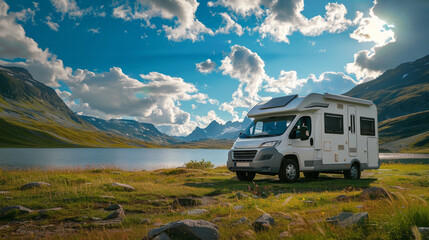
[(289, 171), (311, 175), (353, 173), (245, 176)]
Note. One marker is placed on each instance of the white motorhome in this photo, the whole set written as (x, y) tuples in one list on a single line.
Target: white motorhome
[(319, 133)]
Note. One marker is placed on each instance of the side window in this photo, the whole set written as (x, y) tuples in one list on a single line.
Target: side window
[(258, 128), (334, 123), (302, 122), (367, 126)]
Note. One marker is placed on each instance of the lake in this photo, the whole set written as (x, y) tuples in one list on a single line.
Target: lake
[(124, 158), (134, 158)]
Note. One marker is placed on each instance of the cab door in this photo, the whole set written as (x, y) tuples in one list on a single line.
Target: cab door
[(352, 137), (304, 148)]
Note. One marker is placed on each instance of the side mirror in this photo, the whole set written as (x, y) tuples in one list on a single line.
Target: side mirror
[(239, 135), (303, 134)]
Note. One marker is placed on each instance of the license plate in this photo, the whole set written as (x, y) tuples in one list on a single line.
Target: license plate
[(242, 164)]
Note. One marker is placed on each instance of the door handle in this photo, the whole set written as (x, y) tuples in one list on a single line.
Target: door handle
[(311, 141)]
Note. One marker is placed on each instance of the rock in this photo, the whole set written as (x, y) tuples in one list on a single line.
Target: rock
[(197, 211), (264, 222), (123, 186), (308, 201), (187, 202), (359, 206), (242, 221), (113, 207), (50, 210), (342, 198), (374, 193), (107, 196), (34, 185), (145, 221), (216, 219), (239, 207), (117, 214), (162, 236), (255, 197), (285, 234), (249, 234), (187, 229), (95, 218), (424, 231), (4, 192), (240, 195), (346, 219), (398, 187), (18, 208)]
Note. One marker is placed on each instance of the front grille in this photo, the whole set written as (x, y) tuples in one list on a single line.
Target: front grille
[(243, 155)]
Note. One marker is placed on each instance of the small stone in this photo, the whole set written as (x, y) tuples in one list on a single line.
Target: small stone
[(264, 222), (239, 207), (50, 210), (216, 219), (187, 202), (4, 192), (123, 186), (145, 221), (117, 214), (374, 193), (342, 198), (240, 195), (21, 209), (95, 218), (113, 207), (34, 185), (107, 196), (285, 234), (242, 221), (197, 212)]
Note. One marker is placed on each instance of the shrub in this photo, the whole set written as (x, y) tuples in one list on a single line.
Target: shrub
[(194, 164)]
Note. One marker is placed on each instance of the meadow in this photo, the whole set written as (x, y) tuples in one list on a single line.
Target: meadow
[(77, 198)]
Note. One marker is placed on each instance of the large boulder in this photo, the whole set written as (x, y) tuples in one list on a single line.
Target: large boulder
[(34, 185), (346, 219), (263, 222), (186, 229), (373, 193)]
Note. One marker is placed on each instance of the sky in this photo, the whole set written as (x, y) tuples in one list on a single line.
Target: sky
[(180, 64)]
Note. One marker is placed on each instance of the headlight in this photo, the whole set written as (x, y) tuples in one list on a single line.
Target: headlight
[(270, 144)]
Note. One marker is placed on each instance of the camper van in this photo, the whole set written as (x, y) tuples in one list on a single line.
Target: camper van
[(319, 133)]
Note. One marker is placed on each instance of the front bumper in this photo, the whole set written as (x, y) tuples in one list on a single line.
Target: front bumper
[(266, 160)]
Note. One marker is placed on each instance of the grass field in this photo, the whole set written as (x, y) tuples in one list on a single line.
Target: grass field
[(300, 208)]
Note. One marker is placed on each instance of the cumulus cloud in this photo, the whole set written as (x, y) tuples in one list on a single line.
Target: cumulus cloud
[(211, 116), (241, 7), (229, 26), (408, 43), (285, 17), (14, 44), (206, 67), (186, 26), (52, 25), (67, 7)]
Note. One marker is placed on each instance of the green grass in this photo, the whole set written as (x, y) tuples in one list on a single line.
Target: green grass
[(83, 194)]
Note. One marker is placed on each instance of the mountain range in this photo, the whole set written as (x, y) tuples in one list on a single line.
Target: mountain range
[(32, 115)]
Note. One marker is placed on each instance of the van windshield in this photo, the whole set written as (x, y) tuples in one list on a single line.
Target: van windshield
[(267, 127)]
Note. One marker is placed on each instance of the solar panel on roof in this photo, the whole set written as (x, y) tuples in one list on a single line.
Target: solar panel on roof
[(278, 102)]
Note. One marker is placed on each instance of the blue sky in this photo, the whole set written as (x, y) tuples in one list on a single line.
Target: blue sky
[(148, 60)]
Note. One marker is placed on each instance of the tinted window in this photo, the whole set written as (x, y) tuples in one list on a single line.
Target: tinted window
[(367, 126), (302, 122), (334, 123)]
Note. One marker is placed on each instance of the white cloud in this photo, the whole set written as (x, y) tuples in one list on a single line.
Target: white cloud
[(193, 106), (241, 7), (14, 44), (94, 30), (230, 25), (285, 17), (67, 7), (186, 26), (52, 25), (287, 81), (397, 38), (203, 121), (206, 67)]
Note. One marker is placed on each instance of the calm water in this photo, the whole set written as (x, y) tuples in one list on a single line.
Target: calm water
[(124, 158), (135, 158)]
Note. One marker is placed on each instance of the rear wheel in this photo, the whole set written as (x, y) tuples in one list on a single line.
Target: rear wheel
[(245, 176), (353, 173), (311, 175), (289, 171)]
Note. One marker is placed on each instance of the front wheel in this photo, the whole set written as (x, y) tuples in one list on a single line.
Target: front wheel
[(289, 171), (353, 173), (245, 176)]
